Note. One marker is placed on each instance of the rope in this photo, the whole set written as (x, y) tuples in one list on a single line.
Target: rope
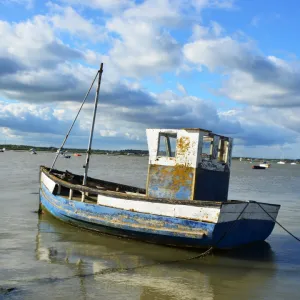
[(67, 135), (232, 225), (207, 252), (292, 235)]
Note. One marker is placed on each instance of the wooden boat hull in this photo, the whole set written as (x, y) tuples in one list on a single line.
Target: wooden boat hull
[(171, 224)]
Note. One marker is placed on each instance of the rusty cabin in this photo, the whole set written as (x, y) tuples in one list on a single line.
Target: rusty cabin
[(188, 164)]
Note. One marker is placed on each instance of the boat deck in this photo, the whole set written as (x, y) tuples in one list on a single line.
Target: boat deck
[(68, 181)]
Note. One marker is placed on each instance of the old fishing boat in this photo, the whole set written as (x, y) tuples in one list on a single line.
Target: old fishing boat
[(185, 201)]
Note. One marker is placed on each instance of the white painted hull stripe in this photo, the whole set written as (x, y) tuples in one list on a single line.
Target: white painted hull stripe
[(205, 214), (49, 183)]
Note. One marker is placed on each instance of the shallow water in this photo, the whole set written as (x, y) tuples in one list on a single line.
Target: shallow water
[(43, 258)]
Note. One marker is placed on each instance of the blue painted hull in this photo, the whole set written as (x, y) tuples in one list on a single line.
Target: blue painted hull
[(153, 228)]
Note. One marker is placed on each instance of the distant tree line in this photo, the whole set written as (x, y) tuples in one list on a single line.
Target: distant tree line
[(73, 150)]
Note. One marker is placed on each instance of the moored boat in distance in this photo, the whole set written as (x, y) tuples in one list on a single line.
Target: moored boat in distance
[(185, 202), (281, 162), (265, 164), (32, 151), (259, 167), (77, 154), (293, 163)]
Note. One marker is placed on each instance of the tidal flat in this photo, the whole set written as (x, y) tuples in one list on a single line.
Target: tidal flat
[(43, 258)]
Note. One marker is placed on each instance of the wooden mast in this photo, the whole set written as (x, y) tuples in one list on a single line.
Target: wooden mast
[(86, 167)]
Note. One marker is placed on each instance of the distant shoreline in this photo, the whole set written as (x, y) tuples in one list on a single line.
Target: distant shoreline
[(24, 148), (82, 153)]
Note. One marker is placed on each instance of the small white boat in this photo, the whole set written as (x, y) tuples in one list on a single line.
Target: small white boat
[(65, 155), (265, 165), (32, 151), (281, 162), (293, 163)]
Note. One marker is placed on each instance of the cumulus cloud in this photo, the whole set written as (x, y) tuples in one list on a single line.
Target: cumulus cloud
[(105, 5), (252, 78), (27, 3), (33, 44), (67, 19), (181, 89), (155, 52), (264, 126), (162, 12), (29, 118)]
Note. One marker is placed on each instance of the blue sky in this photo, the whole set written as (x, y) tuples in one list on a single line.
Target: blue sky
[(231, 66)]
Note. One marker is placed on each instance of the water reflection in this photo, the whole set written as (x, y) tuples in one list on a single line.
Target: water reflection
[(122, 269)]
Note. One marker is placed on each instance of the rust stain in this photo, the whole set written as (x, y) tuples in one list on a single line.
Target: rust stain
[(183, 145), (171, 178), (176, 175)]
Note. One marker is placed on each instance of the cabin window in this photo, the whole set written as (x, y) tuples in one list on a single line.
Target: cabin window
[(167, 144), (223, 150), (207, 147)]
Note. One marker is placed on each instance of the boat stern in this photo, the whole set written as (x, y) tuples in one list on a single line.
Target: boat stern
[(242, 223)]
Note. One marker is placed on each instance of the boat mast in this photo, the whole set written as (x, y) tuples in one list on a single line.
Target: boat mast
[(69, 131), (86, 167)]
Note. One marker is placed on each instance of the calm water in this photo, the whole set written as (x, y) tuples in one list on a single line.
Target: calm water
[(42, 258)]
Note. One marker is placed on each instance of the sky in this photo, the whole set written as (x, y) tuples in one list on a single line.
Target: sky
[(230, 66)]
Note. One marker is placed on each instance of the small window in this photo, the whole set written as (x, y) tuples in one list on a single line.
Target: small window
[(222, 153), (207, 147), (167, 145)]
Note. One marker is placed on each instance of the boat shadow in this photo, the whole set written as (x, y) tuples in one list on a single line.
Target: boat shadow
[(259, 251)]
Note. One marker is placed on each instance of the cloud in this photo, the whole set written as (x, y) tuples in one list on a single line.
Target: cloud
[(33, 44), (67, 19), (105, 5), (126, 124), (181, 89), (150, 23), (9, 66), (155, 52), (29, 118), (27, 3), (252, 78), (264, 126), (224, 4), (255, 21), (162, 12)]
